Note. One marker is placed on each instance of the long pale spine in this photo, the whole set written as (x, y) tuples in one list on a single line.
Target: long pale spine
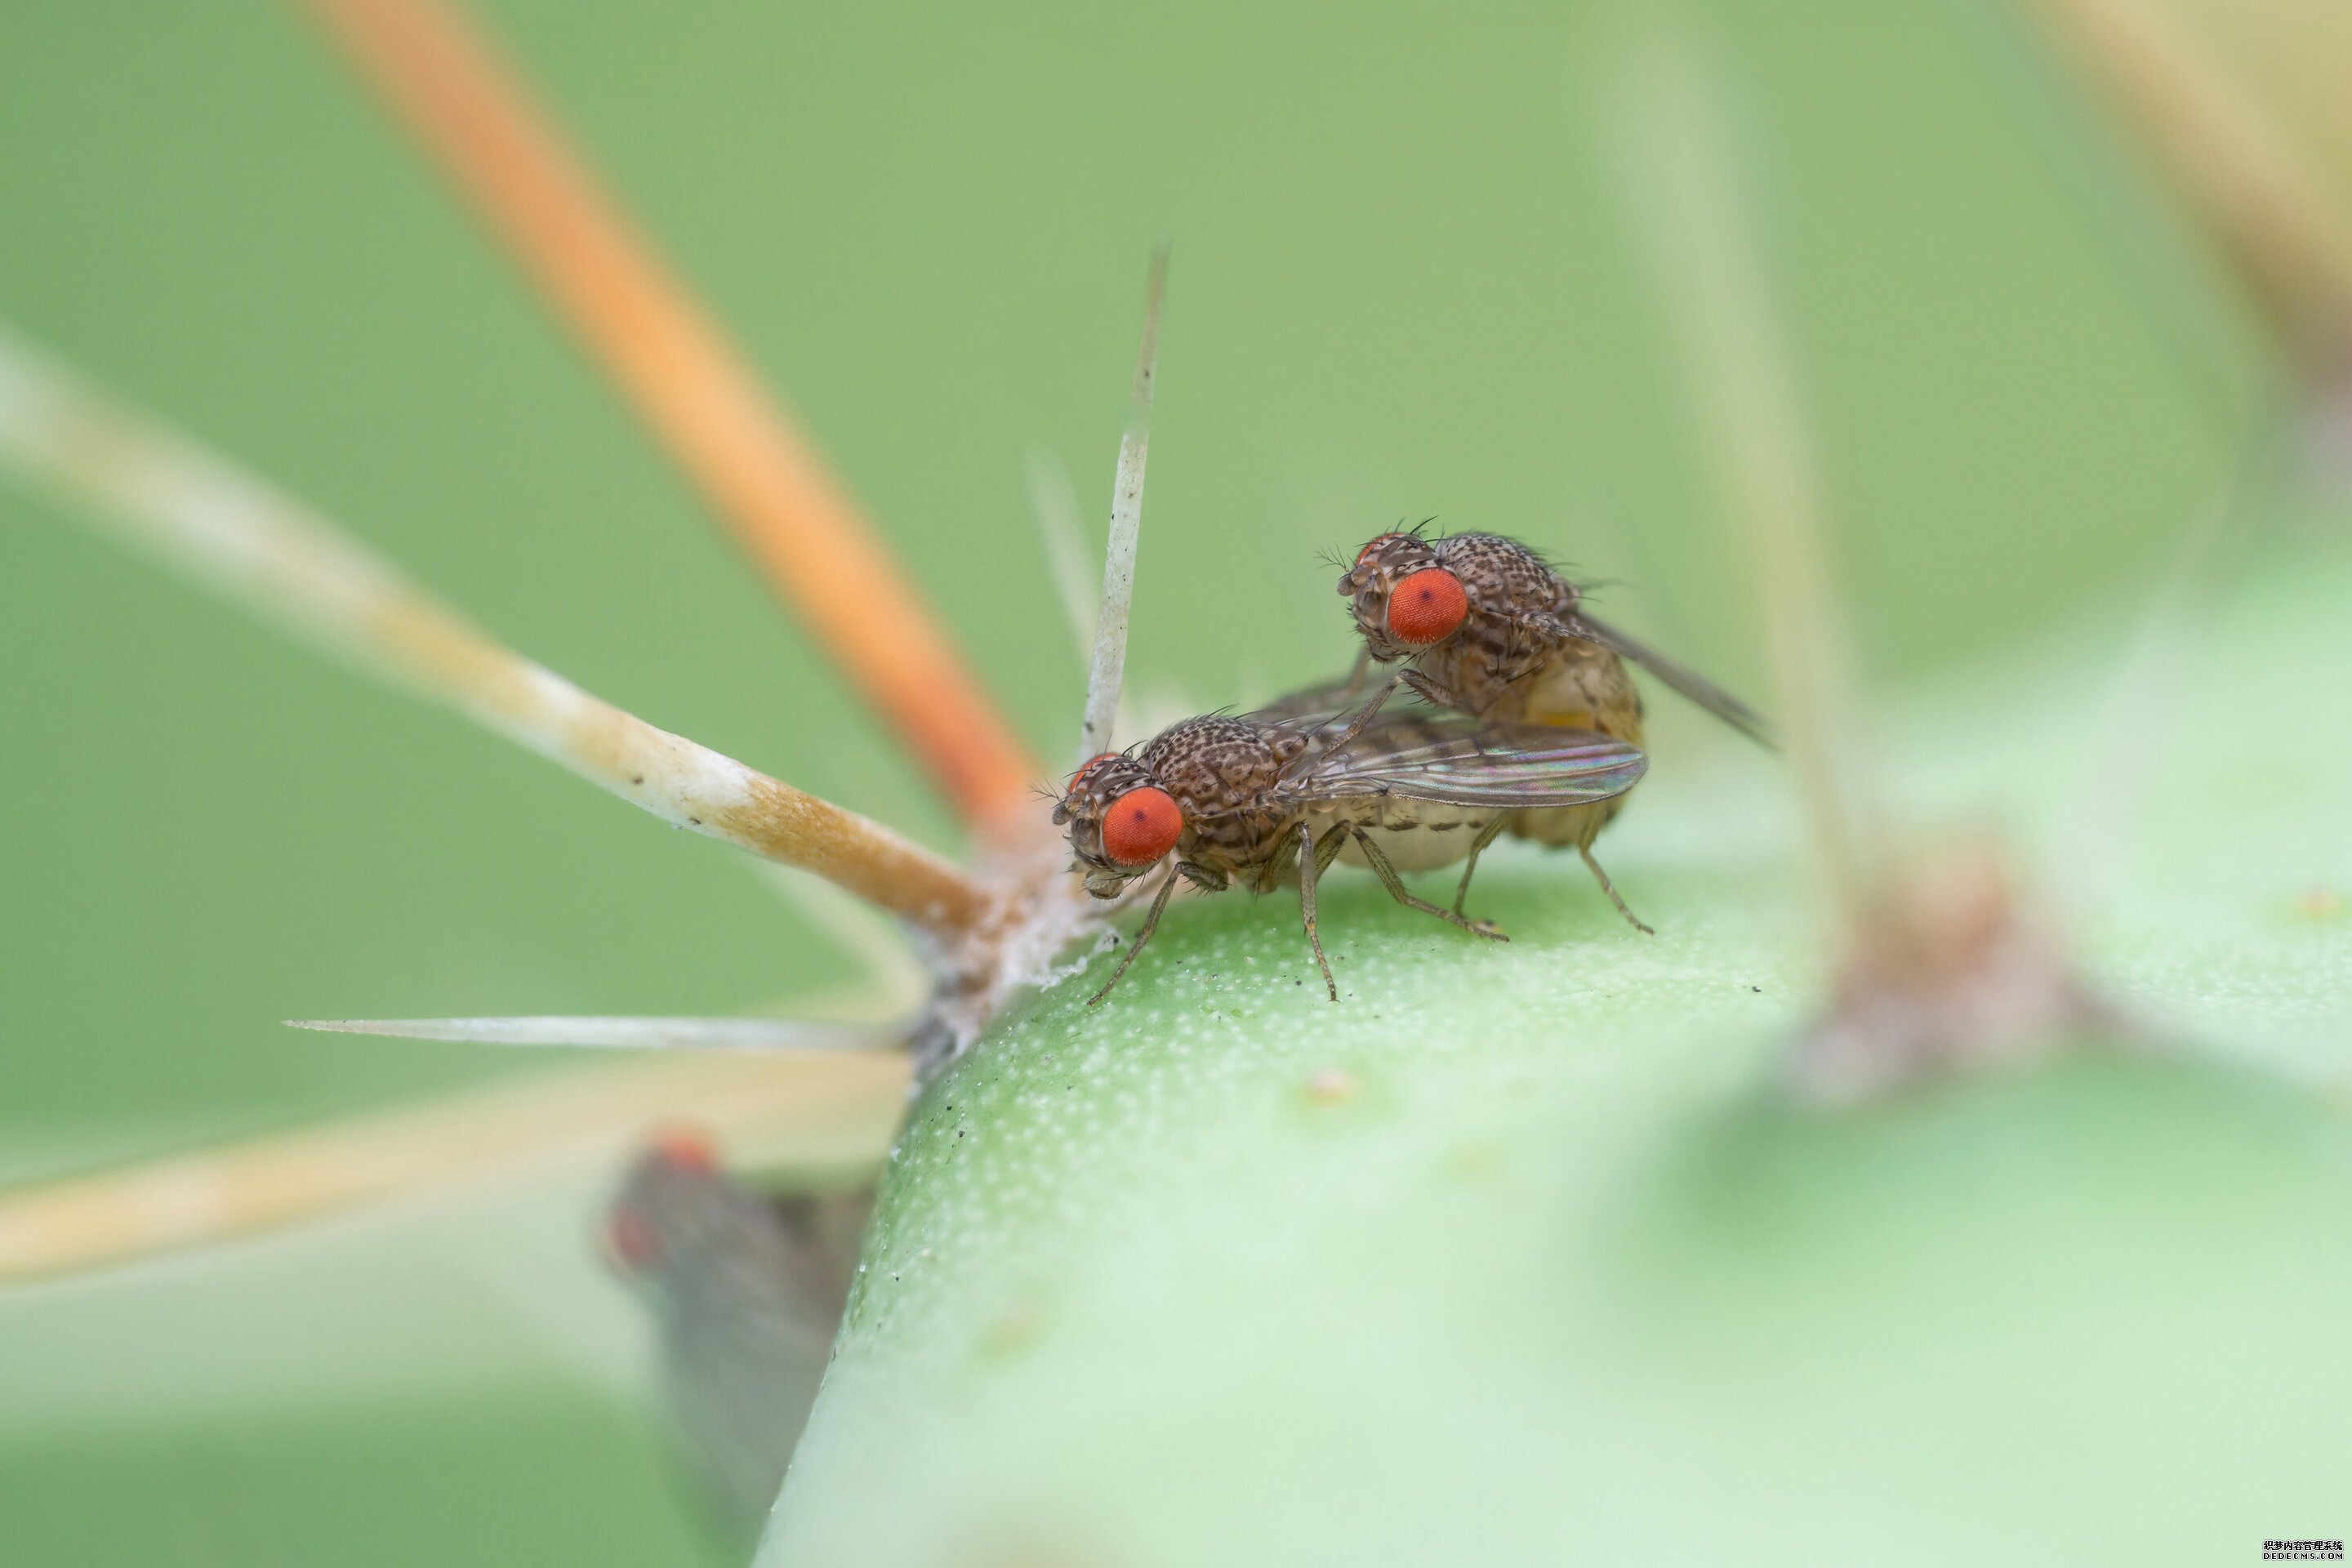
[(234, 534), (1108, 673)]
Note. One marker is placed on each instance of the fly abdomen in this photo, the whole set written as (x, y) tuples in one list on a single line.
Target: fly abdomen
[(1416, 835)]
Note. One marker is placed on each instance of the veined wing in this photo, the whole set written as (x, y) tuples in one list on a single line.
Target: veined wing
[(1327, 706), (1682, 679), (1455, 760)]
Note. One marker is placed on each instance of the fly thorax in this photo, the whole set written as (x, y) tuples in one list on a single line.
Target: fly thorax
[(1213, 766), (1504, 577)]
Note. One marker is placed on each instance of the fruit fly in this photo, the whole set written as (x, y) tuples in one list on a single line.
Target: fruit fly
[(1258, 798), (1487, 627), (746, 1290)]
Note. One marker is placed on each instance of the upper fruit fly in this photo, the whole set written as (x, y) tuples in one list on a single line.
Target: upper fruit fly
[(1257, 798), (1486, 627)]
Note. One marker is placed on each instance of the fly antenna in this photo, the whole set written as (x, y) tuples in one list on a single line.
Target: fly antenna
[(1107, 676)]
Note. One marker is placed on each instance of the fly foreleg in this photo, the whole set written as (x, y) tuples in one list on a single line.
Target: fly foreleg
[(1431, 692), (1150, 924), (1356, 725), (1378, 859)]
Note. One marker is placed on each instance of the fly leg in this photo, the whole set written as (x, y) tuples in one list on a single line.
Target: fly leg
[(1610, 887), (1326, 851), (1429, 691), (1313, 861), (1356, 725), (1487, 834), (1150, 924), (1313, 756), (1387, 872)]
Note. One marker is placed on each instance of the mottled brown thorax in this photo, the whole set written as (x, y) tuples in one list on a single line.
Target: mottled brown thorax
[(1509, 665), (1223, 772)]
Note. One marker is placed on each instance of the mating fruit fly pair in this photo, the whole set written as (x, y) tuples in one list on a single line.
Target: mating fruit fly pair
[(1533, 727)]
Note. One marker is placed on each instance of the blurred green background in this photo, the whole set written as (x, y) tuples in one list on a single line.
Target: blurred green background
[(1400, 290)]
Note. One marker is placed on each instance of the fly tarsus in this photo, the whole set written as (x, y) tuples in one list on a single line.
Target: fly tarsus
[(1387, 872), (1487, 836), (1610, 887), (1312, 862)]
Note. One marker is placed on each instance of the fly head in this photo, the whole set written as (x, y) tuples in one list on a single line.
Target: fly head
[(1121, 822), (1403, 598)]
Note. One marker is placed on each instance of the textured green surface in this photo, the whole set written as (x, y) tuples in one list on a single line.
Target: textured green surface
[(1399, 289), (1559, 1275)]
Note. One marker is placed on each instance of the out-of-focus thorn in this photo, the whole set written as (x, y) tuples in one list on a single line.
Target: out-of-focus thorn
[(2244, 176), (226, 531), (731, 436), (1106, 677), (1951, 966), (2144, 709), (629, 1034), (1055, 506), (1685, 192), (833, 1107), (1939, 961), (1054, 502)]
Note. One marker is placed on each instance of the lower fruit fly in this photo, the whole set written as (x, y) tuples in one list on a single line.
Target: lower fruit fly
[(1258, 798), (1487, 627), (748, 1290)]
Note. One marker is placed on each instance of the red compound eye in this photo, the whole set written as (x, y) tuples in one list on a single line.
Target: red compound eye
[(1427, 607), (688, 1147), (1375, 544), (1140, 826)]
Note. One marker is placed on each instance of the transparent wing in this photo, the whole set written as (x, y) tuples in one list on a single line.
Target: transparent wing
[(1328, 705), (1455, 759), (1682, 679)]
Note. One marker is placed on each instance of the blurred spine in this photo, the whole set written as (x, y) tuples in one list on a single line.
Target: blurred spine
[(1940, 961), (2239, 168), (731, 435)]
